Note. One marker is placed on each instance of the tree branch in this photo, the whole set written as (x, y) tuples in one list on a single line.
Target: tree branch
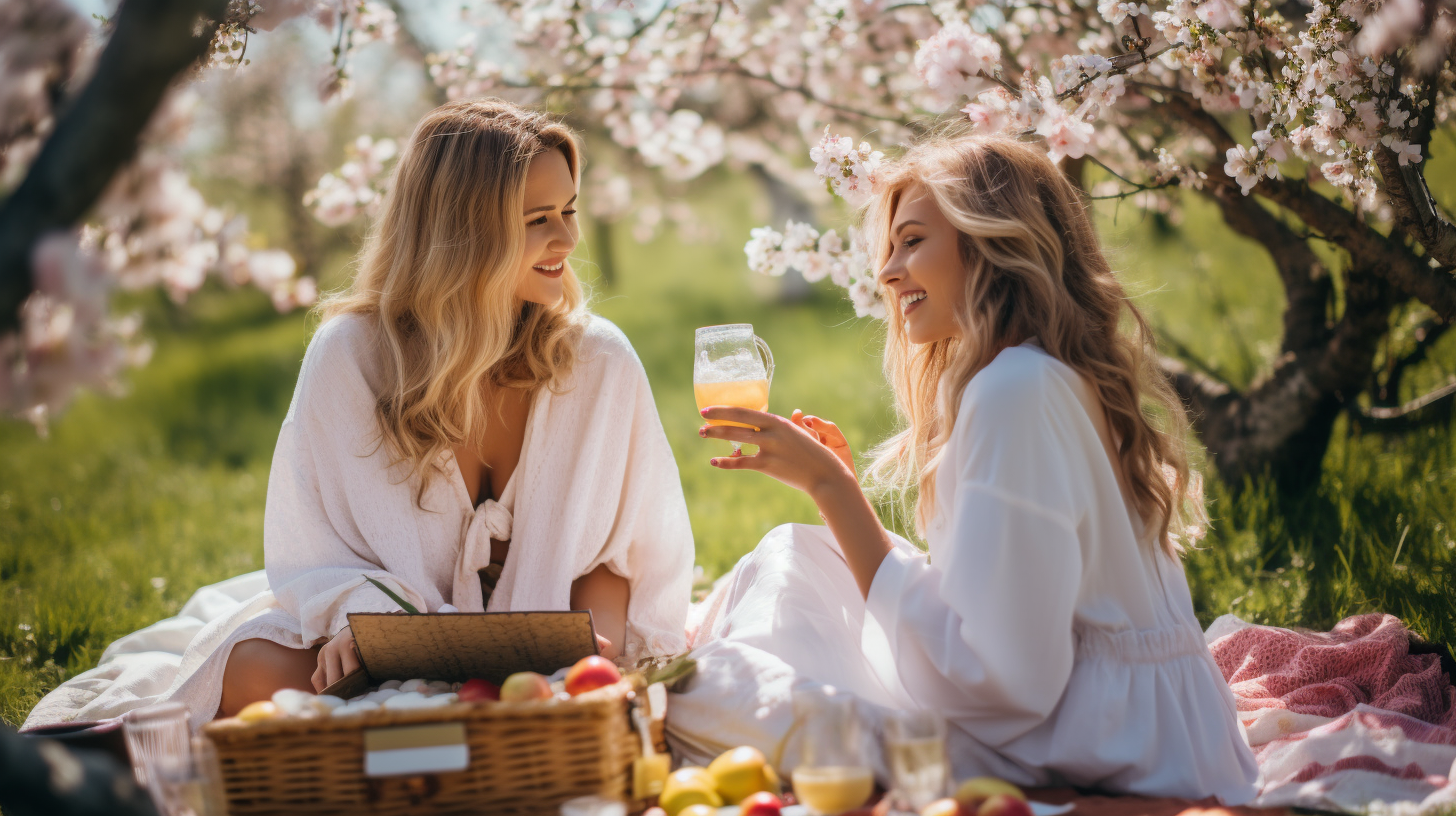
[(1414, 206), (96, 135), (1201, 394), (1411, 273), (1427, 335), (1186, 355), (1307, 284), (1444, 392)]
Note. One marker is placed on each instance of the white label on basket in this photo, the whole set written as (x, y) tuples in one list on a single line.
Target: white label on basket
[(415, 749)]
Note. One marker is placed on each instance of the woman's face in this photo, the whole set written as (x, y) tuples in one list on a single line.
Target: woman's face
[(924, 276), (551, 231)]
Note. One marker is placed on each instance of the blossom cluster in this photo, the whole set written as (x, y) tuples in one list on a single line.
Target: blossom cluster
[(818, 256), (848, 171), (958, 61), (356, 187), (353, 23), (67, 337)]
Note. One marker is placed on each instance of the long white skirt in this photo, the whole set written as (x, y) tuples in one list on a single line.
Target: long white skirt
[(787, 617)]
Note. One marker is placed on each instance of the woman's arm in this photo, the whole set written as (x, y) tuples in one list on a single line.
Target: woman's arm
[(606, 594), (794, 455)]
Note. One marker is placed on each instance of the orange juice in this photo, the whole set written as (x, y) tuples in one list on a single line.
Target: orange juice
[(833, 789), (750, 394)]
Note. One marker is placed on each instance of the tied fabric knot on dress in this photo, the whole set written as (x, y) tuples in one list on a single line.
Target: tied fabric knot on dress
[(489, 521)]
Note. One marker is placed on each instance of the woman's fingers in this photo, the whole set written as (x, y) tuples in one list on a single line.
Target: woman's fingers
[(737, 462), (335, 668), (757, 419), (732, 433), (320, 676), (348, 661), (824, 428)]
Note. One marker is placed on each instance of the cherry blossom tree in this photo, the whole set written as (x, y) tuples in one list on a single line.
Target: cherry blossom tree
[(93, 195), (1307, 124)]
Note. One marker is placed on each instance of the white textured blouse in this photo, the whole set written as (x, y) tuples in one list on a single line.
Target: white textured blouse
[(596, 484), (1061, 646)]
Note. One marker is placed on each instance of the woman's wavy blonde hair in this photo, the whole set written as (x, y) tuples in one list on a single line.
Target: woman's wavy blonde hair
[(1033, 268), (439, 271)]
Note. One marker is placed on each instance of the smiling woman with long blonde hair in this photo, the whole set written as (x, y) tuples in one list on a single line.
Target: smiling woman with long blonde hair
[(1050, 622), (463, 432)]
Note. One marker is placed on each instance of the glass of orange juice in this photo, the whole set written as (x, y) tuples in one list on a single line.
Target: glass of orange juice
[(833, 773), (728, 369)]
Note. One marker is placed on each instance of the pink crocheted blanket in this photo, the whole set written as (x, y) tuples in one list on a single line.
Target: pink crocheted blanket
[(1344, 718), (1364, 659)]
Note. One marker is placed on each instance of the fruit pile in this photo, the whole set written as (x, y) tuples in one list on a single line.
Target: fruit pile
[(982, 796), (588, 674), (740, 777)]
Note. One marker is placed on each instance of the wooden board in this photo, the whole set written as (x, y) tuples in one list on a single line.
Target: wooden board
[(457, 647)]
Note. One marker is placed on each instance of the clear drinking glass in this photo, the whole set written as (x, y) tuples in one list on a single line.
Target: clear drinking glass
[(728, 370), (156, 736), (915, 750), (192, 786), (833, 774)]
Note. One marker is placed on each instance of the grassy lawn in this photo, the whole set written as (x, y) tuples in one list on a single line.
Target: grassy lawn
[(133, 502)]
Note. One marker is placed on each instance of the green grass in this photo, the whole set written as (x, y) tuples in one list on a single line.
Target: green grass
[(134, 502)]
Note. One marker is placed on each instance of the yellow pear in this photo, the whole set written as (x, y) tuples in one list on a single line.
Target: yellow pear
[(742, 772), (688, 786)]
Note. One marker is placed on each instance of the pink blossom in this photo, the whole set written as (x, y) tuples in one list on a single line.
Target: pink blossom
[(1065, 133), (957, 61), (1406, 152), (1226, 15)]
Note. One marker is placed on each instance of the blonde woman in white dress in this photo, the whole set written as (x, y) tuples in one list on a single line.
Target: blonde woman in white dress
[(1050, 621), (463, 431)]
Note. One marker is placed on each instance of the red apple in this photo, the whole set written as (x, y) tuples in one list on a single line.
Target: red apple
[(1004, 804), (591, 673), (762, 803), (523, 686), (476, 689)]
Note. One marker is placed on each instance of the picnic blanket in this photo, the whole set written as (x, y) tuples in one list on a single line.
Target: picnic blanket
[(1348, 720)]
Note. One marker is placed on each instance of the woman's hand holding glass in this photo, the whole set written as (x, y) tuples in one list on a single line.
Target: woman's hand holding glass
[(805, 453), (809, 454)]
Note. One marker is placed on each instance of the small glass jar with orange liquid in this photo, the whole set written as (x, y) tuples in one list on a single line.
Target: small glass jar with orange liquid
[(833, 773), (728, 370)]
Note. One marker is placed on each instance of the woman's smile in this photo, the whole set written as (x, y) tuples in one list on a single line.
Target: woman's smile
[(551, 269), (909, 301)]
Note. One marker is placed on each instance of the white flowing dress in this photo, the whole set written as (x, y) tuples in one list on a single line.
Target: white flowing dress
[(1060, 648), (596, 484)]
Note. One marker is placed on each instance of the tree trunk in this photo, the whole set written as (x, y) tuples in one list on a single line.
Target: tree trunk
[(96, 134)]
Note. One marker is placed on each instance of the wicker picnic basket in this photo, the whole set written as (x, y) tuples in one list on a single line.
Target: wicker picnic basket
[(524, 758)]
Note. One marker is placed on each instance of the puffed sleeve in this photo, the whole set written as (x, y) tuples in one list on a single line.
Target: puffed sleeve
[(651, 542), (326, 485), (984, 634)]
